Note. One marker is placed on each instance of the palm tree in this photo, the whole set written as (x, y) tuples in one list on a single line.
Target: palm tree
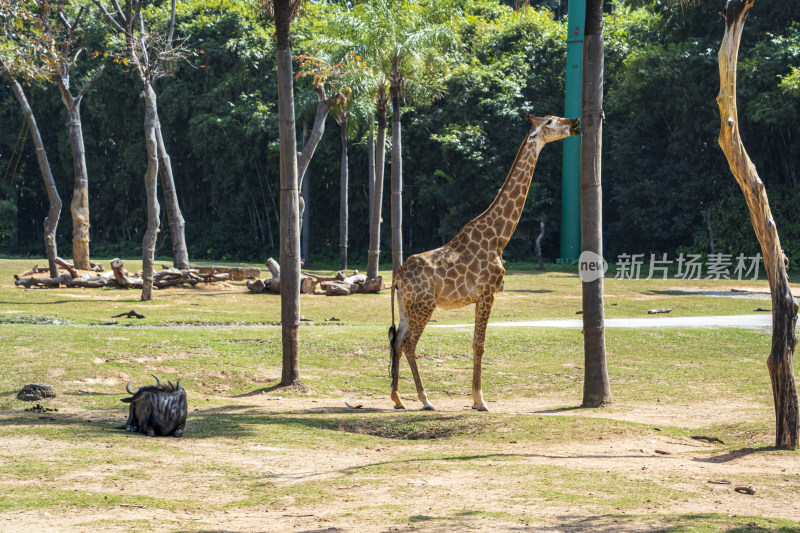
[(282, 12), (596, 388), (404, 41)]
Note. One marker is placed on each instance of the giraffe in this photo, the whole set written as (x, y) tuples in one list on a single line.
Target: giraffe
[(469, 268)]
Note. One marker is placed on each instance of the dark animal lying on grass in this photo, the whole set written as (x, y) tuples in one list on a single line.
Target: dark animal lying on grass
[(157, 410)]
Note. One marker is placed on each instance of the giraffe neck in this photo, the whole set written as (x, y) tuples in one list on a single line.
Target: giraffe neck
[(501, 217)]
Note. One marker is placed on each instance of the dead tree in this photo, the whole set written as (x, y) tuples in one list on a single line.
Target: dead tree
[(784, 307)]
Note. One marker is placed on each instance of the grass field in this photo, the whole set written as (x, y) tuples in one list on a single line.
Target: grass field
[(259, 457)]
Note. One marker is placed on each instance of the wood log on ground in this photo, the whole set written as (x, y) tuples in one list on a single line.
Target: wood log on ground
[(69, 267), (97, 267), (784, 307), (42, 282), (353, 280), (307, 285), (371, 285), (92, 282), (337, 289), (274, 268), (119, 272), (235, 273), (256, 285)]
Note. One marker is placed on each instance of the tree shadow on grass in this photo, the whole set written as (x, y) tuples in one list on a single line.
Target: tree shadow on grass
[(732, 455)]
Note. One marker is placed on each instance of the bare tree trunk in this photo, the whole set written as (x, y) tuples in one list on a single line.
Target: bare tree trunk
[(54, 212), (711, 247), (373, 258), (596, 388), (290, 220), (539, 246), (180, 254), (342, 119), (397, 183), (151, 190), (79, 207), (305, 220), (784, 307)]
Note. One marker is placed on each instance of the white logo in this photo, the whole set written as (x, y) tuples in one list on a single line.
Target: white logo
[(591, 267)]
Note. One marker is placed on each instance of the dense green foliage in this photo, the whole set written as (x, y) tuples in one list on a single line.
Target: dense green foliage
[(662, 167)]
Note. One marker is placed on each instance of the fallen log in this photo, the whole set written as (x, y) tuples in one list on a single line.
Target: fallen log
[(42, 282), (371, 285), (337, 289), (92, 283), (69, 267), (119, 273), (274, 268), (234, 273)]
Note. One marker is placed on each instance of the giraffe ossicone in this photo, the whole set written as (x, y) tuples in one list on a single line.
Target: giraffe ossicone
[(469, 268)]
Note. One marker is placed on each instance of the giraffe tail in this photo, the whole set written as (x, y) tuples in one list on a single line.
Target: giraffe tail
[(393, 359)]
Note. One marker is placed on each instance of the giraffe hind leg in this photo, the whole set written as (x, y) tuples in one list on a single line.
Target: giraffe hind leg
[(396, 340)]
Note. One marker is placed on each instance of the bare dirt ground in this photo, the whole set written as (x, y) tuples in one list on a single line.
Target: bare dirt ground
[(432, 499)]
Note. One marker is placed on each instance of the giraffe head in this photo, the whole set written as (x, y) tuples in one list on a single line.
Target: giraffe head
[(548, 129)]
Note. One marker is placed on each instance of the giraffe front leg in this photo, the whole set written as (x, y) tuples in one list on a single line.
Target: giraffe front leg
[(482, 310), (423, 397)]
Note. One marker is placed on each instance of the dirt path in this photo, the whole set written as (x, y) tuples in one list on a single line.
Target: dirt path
[(434, 496)]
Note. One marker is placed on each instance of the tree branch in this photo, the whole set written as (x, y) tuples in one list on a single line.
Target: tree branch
[(116, 25), (91, 82)]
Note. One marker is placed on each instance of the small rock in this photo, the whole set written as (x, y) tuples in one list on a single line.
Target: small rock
[(36, 391)]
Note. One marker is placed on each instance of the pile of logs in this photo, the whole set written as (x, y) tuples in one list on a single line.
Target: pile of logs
[(116, 277), (338, 285)]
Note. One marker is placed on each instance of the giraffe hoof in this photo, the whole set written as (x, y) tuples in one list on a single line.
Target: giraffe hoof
[(400, 406), (480, 407), (428, 407)]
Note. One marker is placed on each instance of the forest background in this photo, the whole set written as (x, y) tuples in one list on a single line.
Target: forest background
[(665, 179)]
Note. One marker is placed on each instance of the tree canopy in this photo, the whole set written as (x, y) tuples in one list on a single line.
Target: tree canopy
[(662, 167)]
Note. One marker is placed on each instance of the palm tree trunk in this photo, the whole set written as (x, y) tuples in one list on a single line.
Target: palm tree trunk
[(290, 221), (370, 167), (374, 254), (397, 183), (343, 190), (180, 254), (151, 191), (54, 212), (596, 388)]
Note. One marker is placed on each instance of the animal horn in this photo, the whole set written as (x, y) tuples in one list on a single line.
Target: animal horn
[(128, 388), (158, 381)]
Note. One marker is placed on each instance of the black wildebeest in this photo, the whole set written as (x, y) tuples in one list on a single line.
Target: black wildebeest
[(157, 410)]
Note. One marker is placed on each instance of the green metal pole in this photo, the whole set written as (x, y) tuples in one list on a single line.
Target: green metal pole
[(571, 166)]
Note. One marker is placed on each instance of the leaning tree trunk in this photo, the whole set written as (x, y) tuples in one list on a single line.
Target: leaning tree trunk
[(151, 191), (374, 253), (180, 254), (54, 212), (397, 183), (305, 220), (596, 388), (784, 307), (290, 222), (341, 119)]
